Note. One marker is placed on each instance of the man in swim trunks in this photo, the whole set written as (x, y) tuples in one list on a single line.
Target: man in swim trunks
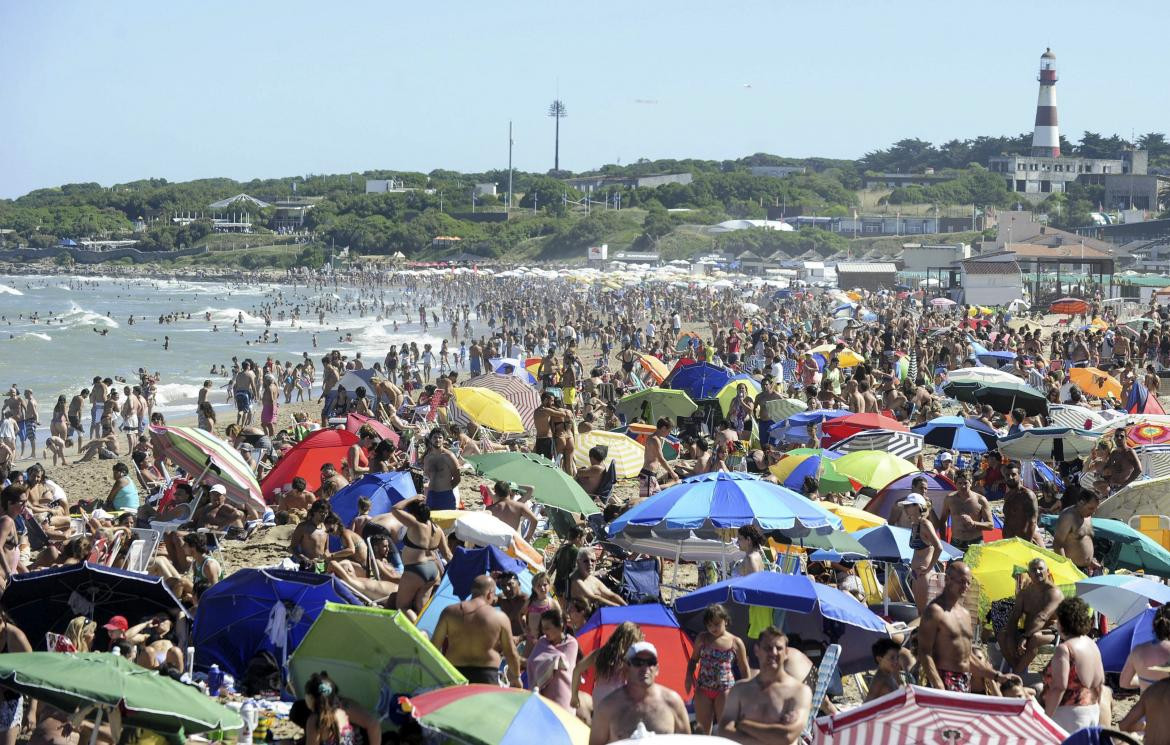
[(74, 415), (945, 638), (441, 469), (474, 634), (244, 387), (270, 405), (648, 483), (97, 399), (774, 705), (552, 424)]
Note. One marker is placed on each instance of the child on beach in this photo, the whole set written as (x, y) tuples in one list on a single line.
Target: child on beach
[(887, 653), (716, 649)]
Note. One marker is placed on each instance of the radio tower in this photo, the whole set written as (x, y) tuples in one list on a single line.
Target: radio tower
[(1046, 135)]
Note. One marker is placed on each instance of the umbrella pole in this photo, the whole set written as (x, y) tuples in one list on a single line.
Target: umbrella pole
[(886, 590), (674, 574), (97, 723)]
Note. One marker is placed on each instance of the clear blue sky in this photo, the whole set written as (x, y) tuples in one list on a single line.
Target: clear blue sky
[(111, 92)]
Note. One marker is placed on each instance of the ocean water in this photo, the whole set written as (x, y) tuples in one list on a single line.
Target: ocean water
[(56, 334)]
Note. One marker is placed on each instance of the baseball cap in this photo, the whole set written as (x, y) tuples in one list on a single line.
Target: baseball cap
[(218, 489), (946, 457), (117, 623), (917, 499), (638, 648), (513, 487)]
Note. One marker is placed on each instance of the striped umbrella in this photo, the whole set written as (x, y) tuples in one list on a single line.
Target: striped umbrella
[(199, 452), (627, 454), (524, 397)]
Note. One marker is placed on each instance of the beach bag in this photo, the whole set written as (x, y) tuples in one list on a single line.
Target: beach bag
[(261, 675)]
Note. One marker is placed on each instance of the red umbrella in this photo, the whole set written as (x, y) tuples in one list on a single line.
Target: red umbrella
[(847, 426), (354, 422), (306, 458), (1069, 306)]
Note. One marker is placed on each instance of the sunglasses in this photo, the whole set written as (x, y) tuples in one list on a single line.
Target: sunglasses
[(643, 662)]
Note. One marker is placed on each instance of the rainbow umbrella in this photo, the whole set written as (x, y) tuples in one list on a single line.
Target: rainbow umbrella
[(1148, 433), (201, 453), (796, 465), (490, 715)]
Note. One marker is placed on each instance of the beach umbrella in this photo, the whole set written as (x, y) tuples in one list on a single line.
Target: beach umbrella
[(1004, 397), (47, 600), (1069, 306), (964, 434), (845, 357), (795, 427), (1148, 433), (1079, 417), (306, 458), (853, 518), (700, 380), (624, 452), (937, 488), (518, 393), (374, 655), (260, 610), (488, 408), (790, 592), (1048, 443), (1116, 645), (779, 409), (842, 427), (727, 394), (490, 715), (201, 453), (384, 490), (125, 694), (550, 484), (829, 547), (513, 367), (963, 390), (686, 339), (354, 423), (902, 444), (873, 468), (996, 564), (659, 626), (662, 402), (1141, 497), (981, 375), (1120, 597), (942, 302), (1095, 382), (683, 546), (796, 465), (925, 715), (1117, 545), (891, 543), (656, 367), (710, 502)]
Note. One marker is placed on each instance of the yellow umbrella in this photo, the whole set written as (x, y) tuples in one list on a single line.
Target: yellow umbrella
[(656, 367), (853, 295), (727, 393), (845, 358), (995, 565), (1095, 382), (488, 409), (852, 517), (873, 468), (626, 453)]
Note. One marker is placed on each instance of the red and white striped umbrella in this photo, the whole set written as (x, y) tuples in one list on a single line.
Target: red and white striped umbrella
[(933, 717)]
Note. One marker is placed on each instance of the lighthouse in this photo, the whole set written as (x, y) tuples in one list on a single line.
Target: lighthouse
[(1046, 135)]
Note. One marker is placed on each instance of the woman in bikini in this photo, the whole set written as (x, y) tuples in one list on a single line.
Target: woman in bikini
[(927, 548), (13, 532), (423, 544)]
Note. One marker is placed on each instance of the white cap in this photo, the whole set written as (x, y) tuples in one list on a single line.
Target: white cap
[(638, 648), (218, 489), (915, 498), (100, 514), (946, 456)]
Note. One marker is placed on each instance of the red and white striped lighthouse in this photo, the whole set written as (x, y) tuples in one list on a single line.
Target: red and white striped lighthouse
[(1046, 135)]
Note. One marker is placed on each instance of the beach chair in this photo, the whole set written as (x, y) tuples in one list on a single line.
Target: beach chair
[(640, 581), (605, 488), (825, 672), (142, 549)]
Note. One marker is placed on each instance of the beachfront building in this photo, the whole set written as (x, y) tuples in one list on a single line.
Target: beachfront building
[(917, 257), (852, 275), (990, 283)]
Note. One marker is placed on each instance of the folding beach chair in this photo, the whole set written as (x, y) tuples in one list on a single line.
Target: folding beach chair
[(142, 550), (640, 581), (825, 672)]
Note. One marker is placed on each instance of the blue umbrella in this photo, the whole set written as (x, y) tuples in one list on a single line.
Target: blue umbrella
[(1116, 645), (260, 610), (384, 490), (795, 427), (511, 366), (47, 600), (891, 543), (793, 592), (700, 380), (967, 435), (712, 501)]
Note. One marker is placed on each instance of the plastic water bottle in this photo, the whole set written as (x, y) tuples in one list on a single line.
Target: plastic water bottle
[(250, 715), (214, 680)]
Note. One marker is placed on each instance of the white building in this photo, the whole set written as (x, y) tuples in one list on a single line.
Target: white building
[(991, 282), (918, 258)]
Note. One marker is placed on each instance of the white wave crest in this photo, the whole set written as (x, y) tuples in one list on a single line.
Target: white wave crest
[(6, 290)]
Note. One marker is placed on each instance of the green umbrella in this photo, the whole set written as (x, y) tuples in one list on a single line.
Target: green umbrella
[(839, 543), (661, 401), (374, 655), (132, 695), (1118, 546), (550, 485)]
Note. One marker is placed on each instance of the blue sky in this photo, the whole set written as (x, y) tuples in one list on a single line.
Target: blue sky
[(111, 92)]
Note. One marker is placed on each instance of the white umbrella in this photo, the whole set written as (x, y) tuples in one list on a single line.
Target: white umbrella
[(981, 375), (1071, 415), (1049, 443), (1120, 597), (942, 302)]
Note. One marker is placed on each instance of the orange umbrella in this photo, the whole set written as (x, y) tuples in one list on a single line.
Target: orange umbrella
[(654, 366), (1070, 306), (1095, 382)]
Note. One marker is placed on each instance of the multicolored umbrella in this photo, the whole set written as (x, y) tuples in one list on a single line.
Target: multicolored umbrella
[(797, 465), (1095, 382), (659, 626), (795, 427), (550, 485), (197, 452), (873, 468), (488, 409), (937, 488), (521, 395), (512, 366), (490, 715), (625, 453), (1148, 433)]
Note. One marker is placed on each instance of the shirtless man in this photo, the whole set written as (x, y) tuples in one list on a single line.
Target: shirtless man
[(1073, 534), (441, 469), (97, 397), (244, 387), (74, 416), (640, 701), (514, 512), (1036, 606), (772, 707), (309, 541), (386, 395), (1020, 508), (553, 424), (474, 635), (1123, 465), (269, 404), (217, 513), (585, 585), (969, 513), (945, 637), (1151, 714), (648, 483), (590, 476), (297, 499), (330, 377)]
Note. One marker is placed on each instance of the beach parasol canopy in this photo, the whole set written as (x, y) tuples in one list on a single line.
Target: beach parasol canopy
[(518, 393), (140, 697), (550, 485), (853, 518), (873, 468), (662, 402), (659, 626), (846, 426), (1048, 443), (797, 465), (1148, 433), (488, 409), (964, 434), (306, 458), (1003, 397), (490, 715), (354, 423), (1070, 306), (682, 547), (513, 367), (779, 409), (1120, 597), (700, 381), (1080, 417), (384, 490), (981, 375), (942, 302), (626, 453), (891, 543), (711, 502), (1095, 382), (795, 427), (926, 715), (727, 394), (374, 656), (47, 600), (1141, 497), (1117, 545), (963, 390), (996, 564), (656, 367), (1116, 645), (198, 452)]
